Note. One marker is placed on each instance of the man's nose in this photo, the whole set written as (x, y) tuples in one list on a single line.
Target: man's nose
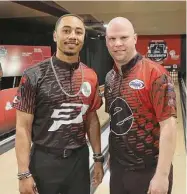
[(72, 35), (118, 42)]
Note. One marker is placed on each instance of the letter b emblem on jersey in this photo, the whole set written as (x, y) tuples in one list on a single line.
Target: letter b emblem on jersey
[(64, 116)]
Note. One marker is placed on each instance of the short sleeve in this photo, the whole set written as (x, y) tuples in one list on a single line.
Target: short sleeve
[(97, 99), (163, 98), (26, 95)]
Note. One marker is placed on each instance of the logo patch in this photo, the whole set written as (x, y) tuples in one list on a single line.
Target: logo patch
[(157, 51), (65, 116), (86, 89), (121, 117), (137, 84), (3, 52)]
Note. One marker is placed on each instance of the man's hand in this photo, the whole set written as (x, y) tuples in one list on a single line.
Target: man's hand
[(27, 186), (98, 174), (159, 185)]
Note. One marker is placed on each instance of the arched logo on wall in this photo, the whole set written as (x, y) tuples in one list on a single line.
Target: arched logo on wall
[(157, 51), (3, 52)]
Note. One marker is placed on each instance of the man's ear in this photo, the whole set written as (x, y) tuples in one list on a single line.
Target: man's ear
[(135, 38), (106, 40), (54, 36)]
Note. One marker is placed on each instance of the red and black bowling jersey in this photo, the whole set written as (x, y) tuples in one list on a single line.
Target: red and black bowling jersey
[(58, 119), (137, 101)]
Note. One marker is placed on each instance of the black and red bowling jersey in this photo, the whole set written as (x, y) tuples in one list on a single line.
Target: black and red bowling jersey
[(58, 119), (137, 101)]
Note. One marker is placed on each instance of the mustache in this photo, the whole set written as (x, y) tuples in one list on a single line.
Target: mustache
[(72, 42)]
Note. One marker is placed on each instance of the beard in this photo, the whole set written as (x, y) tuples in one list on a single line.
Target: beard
[(67, 53)]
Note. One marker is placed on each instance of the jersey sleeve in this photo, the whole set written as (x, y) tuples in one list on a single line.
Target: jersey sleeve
[(163, 97), (97, 99), (26, 95)]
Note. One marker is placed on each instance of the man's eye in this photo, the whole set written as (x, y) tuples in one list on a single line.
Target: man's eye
[(66, 31), (79, 33)]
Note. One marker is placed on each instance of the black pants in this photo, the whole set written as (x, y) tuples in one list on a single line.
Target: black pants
[(133, 182), (57, 175)]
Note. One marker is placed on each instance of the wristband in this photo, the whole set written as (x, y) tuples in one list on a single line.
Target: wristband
[(98, 158), (24, 175), (97, 154)]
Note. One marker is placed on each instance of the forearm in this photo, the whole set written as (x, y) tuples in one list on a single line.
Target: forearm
[(94, 132), (166, 150), (22, 146)]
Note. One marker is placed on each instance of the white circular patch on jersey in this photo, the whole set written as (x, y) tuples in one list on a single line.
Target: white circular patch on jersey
[(86, 89), (137, 84)]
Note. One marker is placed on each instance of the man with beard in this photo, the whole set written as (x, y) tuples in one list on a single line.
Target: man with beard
[(141, 101), (56, 106)]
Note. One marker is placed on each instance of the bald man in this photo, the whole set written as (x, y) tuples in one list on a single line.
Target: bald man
[(56, 106), (141, 101)]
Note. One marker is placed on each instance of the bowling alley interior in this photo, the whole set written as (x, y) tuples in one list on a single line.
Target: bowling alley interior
[(27, 38)]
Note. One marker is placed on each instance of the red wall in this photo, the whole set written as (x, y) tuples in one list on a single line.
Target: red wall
[(14, 59), (157, 44)]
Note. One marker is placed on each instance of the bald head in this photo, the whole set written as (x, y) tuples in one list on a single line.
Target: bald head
[(122, 23), (121, 40)]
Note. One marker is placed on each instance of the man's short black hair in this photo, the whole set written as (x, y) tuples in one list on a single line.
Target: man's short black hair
[(66, 15)]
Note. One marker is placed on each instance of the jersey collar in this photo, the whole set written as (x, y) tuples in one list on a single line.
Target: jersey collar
[(65, 65), (125, 68)]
